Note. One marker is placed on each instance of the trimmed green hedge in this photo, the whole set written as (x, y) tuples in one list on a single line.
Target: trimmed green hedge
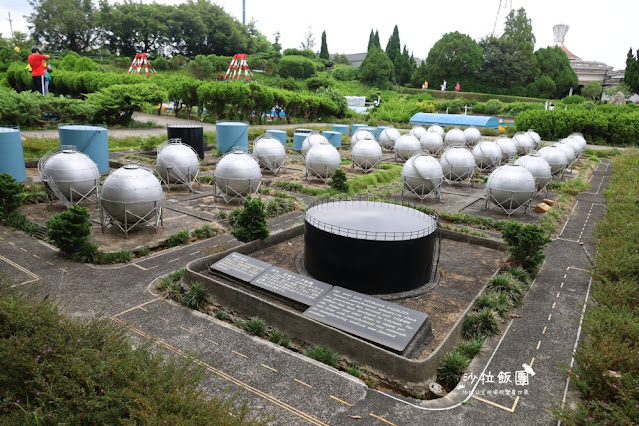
[(471, 96), (609, 125)]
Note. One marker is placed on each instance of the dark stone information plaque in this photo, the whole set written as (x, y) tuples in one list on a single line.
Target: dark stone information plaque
[(387, 324), (240, 266), (302, 289)]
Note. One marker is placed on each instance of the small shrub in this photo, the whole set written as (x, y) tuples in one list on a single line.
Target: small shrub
[(121, 256), (204, 231), (221, 315), (173, 291), (471, 348), (255, 326), (493, 107), (19, 221), (323, 355), (285, 341), (452, 368), (525, 244), (10, 194), (497, 302), (142, 252), (480, 324), (249, 223), (223, 215), (87, 252), (275, 336), (509, 286), (194, 297), (177, 239), (177, 274), (338, 181), (354, 370), (520, 274), (279, 206), (70, 229)]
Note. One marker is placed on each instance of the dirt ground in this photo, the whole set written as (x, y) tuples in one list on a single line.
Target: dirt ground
[(464, 269)]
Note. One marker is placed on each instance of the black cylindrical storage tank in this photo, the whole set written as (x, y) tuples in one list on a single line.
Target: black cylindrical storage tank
[(370, 247), (191, 134)]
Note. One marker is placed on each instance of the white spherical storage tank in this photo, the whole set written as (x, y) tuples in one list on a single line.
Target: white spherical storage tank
[(575, 144), (237, 174), (472, 135), (581, 140), (455, 137), (361, 134), (177, 162), (535, 137), (406, 146), (437, 128), (322, 160), (510, 187), (432, 142), (422, 175), (508, 148), (417, 131), (487, 154), (458, 163), (538, 167), (525, 144), (131, 195), (366, 154), (70, 174), (556, 159), (388, 137), (270, 152), (568, 150), (311, 140)]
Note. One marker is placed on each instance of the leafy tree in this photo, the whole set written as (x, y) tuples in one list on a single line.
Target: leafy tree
[(249, 223), (10, 195), (543, 87), (622, 87), (324, 49), (116, 104), (525, 244), (296, 67), (338, 181), (404, 67), (454, 57), (393, 47), (65, 24), (373, 40), (277, 47), (591, 90), (519, 38), (420, 75), (502, 68), (341, 58), (376, 69), (631, 77), (70, 230), (553, 62)]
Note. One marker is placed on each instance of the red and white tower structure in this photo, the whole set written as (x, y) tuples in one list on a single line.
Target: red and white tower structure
[(141, 59), (237, 66)]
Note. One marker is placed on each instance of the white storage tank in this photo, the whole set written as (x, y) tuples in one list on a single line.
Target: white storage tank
[(69, 174), (510, 187), (432, 142), (270, 152), (535, 137), (406, 146), (508, 148), (455, 137), (417, 131), (538, 167), (556, 159), (581, 140), (568, 150), (131, 195), (366, 154), (458, 163), (311, 140), (472, 135), (487, 155), (177, 162), (525, 144), (237, 174), (361, 134), (422, 175), (575, 144), (322, 160), (388, 137), (437, 128)]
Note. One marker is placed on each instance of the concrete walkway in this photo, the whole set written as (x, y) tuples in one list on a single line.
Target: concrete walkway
[(298, 390)]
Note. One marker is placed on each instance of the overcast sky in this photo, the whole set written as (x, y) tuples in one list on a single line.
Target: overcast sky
[(599, 31)]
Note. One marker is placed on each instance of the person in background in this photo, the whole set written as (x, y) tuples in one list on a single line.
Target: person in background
[(457, 87), (444, 86), (47, 79), (36, 61)]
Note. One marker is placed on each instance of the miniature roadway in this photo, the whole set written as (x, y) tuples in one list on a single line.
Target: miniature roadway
[(296, 390)]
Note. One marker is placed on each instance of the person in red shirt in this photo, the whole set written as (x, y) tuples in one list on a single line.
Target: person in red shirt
[(36, 61)]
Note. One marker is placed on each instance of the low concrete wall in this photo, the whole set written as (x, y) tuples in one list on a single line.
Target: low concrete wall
[(295, 325)]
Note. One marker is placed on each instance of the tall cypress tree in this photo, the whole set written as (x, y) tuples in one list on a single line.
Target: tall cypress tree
[(393, 49), (324, 49), (631, 77), (377, 43), (373, 40)]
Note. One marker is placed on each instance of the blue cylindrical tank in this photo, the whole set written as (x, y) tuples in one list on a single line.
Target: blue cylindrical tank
[(280, 135), (379, 131), (356, 127), (231, 135), (335, 138), (342, 128), (11, 155), (90, 140), (298, 140), (307, 131)]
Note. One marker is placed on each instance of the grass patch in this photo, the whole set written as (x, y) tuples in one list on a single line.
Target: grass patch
[(354, 370), (324, 355), (452, 368), (121, 256), (255, 326), (177, 239), (471, 348), (222, 315), (499, 303), (484, 323), (206, 231), (194, 297), (142, 251), (275, 336), (508, 286)]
